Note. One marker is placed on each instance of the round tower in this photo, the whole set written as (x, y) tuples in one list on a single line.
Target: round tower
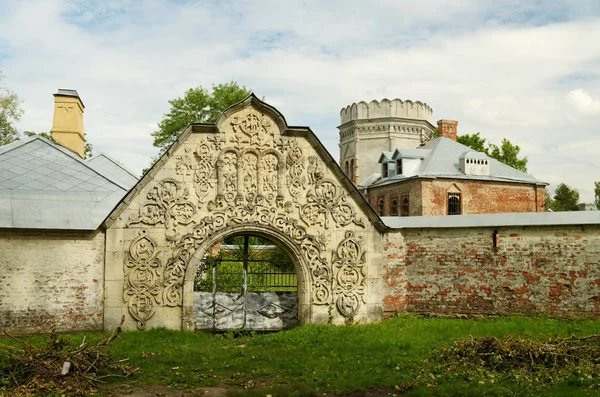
[(368, 129)]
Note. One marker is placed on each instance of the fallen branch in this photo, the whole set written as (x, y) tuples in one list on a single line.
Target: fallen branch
[(56, 367)]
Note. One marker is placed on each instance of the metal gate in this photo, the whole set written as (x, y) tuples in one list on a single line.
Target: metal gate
[(251, 286)]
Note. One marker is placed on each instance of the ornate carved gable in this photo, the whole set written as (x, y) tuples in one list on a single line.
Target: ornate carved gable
[(250, 170)]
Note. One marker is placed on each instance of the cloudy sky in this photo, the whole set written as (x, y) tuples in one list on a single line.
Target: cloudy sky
[(526, 70)]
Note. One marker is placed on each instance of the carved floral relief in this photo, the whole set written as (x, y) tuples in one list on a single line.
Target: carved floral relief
[(247, 176), (167, 204), (326, 201), (142, 279), (349, 282), (252, 130), (296, 179)]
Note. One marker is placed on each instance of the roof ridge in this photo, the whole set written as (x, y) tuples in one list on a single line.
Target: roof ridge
[(73, 156), (16, 144), (115, 162)]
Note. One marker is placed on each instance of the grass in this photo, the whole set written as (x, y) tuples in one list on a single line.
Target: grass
[(308, 360)]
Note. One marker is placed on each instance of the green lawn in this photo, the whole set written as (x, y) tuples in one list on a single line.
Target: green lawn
[(317, 359)]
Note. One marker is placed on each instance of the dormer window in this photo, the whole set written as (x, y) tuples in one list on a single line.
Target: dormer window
[(474, 163), (384, 170), (399, 167)]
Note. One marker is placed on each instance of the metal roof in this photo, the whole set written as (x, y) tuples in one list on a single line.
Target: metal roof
[(68, 92), (113, 170), (45, 186), (442, 161), (494, 220), (410, 153)]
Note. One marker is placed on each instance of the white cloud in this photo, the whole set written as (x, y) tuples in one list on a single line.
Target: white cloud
[(582, 102), (502, 69)]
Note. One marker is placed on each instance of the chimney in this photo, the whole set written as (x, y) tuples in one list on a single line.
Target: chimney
[(448, 128), (67, 128)]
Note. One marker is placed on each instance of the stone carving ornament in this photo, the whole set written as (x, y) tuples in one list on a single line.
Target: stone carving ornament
[(250, 176), (141, 287), (252, 130), (327, 200), (296, 180), (167, 204), (349, 281), (277, 219)]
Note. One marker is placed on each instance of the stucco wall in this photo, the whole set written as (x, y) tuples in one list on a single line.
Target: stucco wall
[(549, 270), (51, 279)]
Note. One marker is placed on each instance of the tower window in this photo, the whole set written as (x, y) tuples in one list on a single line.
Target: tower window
[(394, 206), (454, 207), (405, 211), (380, 205)]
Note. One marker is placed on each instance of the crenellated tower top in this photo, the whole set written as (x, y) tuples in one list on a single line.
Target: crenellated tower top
[(385, 108), (368, 129)]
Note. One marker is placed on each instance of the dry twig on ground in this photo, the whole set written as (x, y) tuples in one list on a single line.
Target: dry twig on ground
[(59, 367)]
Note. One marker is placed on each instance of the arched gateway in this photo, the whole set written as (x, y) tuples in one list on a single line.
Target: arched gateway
[(250, 173)]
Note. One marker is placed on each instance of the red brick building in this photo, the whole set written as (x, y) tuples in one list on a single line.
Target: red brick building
[(444, 177)]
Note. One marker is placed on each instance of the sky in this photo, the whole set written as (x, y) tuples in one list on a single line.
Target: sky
[(528, 71)]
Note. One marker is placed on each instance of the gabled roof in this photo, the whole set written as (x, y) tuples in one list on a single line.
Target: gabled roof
[(442, 161), (385, 157), (45, 186), (410, 153), (113, 170)]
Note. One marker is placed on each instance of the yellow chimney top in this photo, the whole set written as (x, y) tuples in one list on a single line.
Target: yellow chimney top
[(67, 128)]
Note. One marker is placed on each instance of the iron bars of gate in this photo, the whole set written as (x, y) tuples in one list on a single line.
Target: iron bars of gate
[(231, 275)]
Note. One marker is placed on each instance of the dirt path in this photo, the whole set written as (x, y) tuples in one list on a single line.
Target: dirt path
[(163, 391)]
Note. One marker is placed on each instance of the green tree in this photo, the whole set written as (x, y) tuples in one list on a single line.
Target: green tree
[(549, 201), (597, 194), (197, 105), (474, 141), (506, 153), (565, 199), (10, 112)]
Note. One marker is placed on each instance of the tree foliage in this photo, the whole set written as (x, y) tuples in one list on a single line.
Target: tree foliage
[(197, 105), (565, 199), (10, 112), (506, 153), (549, 201), (597, 195)]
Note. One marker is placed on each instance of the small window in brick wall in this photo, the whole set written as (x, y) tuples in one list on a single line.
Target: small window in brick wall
[(405, 211), (394, 206), (380, 206), (454, 205)]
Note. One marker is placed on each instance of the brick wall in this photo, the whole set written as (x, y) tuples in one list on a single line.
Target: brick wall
[(51, 279), (549, 270), (430, 196), (410, 187)]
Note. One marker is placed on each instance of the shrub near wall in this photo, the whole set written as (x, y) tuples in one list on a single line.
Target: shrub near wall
[(51, 279), (546, 270)]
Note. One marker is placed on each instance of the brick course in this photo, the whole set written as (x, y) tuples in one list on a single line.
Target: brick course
[(546, 270), (430, 196)]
